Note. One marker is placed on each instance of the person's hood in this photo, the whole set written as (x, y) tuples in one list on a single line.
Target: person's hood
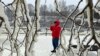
[(57, 22)]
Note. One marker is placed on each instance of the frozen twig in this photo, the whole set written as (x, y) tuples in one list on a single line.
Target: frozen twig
[(97, 3)]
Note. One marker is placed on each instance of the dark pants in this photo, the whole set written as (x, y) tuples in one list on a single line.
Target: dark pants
[(55, 42)]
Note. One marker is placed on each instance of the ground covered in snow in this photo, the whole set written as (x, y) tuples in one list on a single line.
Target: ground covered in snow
[(42, 47)]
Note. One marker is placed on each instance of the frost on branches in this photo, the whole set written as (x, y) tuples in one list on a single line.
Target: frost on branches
[(20, 11)]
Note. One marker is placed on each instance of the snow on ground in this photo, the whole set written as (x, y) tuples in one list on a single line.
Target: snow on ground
[(42, 47)]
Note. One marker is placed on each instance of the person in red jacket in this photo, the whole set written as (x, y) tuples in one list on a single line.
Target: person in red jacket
[(56, 29)]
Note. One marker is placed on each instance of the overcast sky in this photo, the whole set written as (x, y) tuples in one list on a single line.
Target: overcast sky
[(48, 2)]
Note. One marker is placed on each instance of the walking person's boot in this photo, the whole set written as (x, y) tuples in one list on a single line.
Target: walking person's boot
[(53, 51)]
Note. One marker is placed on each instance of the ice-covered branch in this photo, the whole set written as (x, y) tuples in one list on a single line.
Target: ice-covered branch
[(90, 20), (1, 21), (26, 12), (5, 18), (37, 17), (32, 33), (97, 3), (97, 11), (69, 17), (14, 36)]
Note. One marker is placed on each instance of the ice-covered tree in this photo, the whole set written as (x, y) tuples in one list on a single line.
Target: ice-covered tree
[(20, 12)]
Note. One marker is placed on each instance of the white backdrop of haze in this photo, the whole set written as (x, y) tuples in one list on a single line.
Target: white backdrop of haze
[(51, 2)]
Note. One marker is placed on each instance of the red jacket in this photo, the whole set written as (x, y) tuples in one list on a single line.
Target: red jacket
[(56, 29)]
